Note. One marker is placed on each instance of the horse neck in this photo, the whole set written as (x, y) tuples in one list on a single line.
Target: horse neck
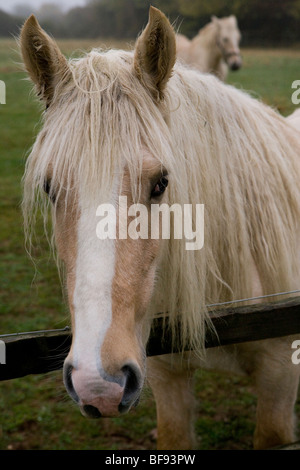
[(206, 42)]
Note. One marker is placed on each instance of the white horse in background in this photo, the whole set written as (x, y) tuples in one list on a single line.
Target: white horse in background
[(214, 49)]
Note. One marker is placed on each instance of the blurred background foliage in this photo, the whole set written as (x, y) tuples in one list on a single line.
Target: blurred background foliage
[(262, 22)]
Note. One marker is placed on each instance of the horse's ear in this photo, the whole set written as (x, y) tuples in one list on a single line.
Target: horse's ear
[(155, 53), (214, 19), (233, 18), (42, 58)]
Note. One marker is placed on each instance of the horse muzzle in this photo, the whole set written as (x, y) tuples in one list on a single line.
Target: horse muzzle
[(235, 66), (234, 61), (102, 395)]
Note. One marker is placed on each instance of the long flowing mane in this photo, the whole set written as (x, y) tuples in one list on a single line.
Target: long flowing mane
[(222, 149)]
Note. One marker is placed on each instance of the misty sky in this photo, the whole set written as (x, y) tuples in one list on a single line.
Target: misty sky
[(8, 6)]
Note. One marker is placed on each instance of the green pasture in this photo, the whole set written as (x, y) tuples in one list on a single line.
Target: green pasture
[(35, 411)]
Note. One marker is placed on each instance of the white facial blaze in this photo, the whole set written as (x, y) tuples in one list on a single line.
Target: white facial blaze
[(95, 266)]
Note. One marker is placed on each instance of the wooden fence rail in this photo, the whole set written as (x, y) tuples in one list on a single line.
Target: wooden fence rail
[(44, 351)]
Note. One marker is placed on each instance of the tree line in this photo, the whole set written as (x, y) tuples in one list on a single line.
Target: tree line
[(262, 22)]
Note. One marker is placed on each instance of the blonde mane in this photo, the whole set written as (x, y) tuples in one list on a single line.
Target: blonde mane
[(222, 149)]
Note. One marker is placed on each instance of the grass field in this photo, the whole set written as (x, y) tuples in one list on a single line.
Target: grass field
[(35, 412)]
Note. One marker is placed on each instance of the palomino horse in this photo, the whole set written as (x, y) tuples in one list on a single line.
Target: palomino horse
[(214, 49), (138, 125)]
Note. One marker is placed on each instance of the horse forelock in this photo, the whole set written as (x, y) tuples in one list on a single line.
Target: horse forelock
[(96, 122)]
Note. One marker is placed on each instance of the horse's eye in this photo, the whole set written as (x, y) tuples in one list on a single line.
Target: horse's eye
[(225, 39), (48, 190), (160, 187)]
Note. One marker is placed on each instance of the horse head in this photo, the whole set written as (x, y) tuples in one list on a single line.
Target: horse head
[(228, 40), (84, 157)]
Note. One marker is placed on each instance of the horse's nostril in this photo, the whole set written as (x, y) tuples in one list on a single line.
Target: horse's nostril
[(69, 382), (91, 411), (132, 386), (235, 66), (132, 379)]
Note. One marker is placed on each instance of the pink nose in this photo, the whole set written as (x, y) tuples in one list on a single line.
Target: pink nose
[(103, 395)]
